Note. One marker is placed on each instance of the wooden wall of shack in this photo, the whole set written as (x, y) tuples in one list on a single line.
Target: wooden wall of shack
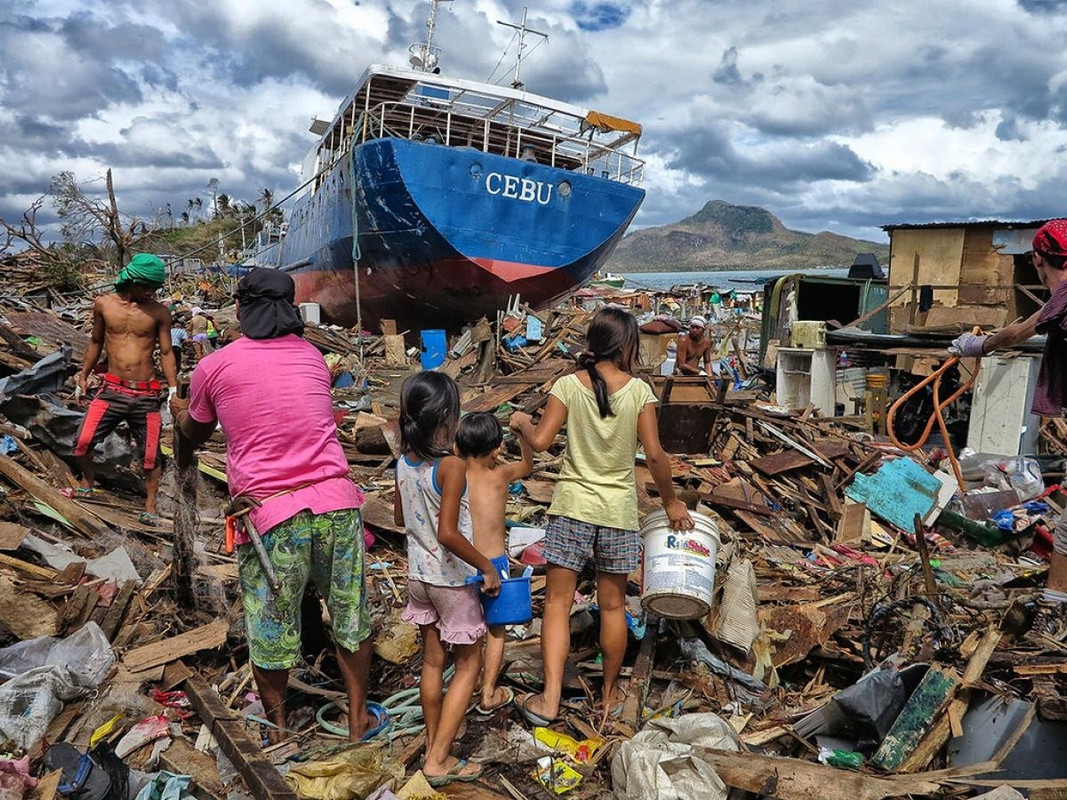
[(971, 281)]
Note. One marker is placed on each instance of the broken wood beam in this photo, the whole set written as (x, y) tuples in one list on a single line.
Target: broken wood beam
[(264, 782), (78, 516), (795, 779), (918, 717), (924, 557), (635, 697), (156, 654), (938, 736)]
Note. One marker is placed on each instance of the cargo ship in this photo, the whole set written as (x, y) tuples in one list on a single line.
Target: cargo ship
[(432, 200)]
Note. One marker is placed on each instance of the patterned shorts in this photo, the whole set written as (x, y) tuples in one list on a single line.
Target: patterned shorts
[(571, 543), (326, 549)]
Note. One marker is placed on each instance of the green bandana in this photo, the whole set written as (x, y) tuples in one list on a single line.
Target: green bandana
[(143, 268)]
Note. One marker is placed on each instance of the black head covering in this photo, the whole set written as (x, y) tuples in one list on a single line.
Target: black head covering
[(266, 310)]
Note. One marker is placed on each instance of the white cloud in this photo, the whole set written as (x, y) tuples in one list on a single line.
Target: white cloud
[(835, 115)]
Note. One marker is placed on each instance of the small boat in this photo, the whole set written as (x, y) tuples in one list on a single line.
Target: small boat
[(432, 200), (608, 280)]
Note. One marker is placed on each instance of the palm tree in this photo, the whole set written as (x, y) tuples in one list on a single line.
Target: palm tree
[(267, 196), (222, 203), (185, 218)]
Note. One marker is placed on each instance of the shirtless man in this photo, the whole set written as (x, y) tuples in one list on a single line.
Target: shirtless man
[(128, 325), (478, 442), (693, 348)]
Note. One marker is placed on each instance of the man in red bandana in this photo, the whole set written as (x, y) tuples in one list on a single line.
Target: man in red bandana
[(1050, 395)]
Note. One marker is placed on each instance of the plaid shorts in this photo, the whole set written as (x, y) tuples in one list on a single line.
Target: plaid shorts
[(325, 549), (570, 543)]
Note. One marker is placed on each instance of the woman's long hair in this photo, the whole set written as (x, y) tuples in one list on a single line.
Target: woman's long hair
[(429, 413), (612, 336)]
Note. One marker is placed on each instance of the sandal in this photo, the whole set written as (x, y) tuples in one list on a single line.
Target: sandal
[(455, 775), (148, 518), (488, 711), (532, 716), (381, 720)]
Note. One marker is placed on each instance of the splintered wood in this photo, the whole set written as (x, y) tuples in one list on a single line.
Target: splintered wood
[(206, 637)]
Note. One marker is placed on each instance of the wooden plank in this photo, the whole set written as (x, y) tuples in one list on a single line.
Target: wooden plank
[(918, 716), (182, 758), (116, 613), (43, 573), (264, 782), (206, 637), (939, 734), (781, 462), (638, 690), (11, 535), (497, 396), (413, 748), (794, 779), (723, 501), (76, 513), (855, 521)]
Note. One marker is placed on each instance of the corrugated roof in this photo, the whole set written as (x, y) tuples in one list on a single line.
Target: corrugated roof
[(970, 223)]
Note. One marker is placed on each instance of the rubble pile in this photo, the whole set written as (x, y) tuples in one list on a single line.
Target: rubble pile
[(866, 639)]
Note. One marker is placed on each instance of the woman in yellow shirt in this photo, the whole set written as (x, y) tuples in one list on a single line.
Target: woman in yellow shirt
[(594, 509)]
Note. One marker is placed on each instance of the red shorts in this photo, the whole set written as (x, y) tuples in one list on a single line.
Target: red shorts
[(117, 401)]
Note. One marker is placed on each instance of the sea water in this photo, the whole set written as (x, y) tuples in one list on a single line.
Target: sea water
[(738, 279)]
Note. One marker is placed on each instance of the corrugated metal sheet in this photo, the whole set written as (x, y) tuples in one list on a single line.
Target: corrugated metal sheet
[(985, 223)]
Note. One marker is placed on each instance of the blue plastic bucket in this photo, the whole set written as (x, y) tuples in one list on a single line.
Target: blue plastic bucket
[(434, 348), (513, 606)]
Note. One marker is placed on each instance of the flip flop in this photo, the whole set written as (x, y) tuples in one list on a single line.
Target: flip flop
[(146, 518), (454, 775), (381, 717), (532, 716), (488, 712)]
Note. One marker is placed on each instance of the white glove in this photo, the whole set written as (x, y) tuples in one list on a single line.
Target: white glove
[(968, 345)]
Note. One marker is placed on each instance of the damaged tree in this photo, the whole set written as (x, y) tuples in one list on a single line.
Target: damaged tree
[(95, 234)]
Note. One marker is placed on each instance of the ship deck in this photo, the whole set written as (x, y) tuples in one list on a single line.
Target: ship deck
[(412, 104)]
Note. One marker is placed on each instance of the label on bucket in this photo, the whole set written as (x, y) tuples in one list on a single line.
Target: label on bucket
[(679, 575)]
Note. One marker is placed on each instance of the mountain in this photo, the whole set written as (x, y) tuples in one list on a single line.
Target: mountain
[(724, 236)]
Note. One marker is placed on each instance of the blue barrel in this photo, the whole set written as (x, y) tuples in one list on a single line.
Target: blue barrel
[(434, 348)]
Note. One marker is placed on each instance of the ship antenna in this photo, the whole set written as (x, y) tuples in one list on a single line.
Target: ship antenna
[(425, 55), (523, 30)]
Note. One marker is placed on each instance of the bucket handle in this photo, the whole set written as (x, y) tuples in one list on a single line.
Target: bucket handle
[(479, 578)]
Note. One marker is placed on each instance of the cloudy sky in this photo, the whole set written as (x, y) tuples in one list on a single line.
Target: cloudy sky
[(836, 115)]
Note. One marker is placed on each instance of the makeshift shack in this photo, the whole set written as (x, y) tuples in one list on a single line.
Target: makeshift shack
[(959, 274)]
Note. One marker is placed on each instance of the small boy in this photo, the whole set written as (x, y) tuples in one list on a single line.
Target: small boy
[(479, 440)]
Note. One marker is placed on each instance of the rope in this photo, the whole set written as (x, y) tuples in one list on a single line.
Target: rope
[(404, 709)]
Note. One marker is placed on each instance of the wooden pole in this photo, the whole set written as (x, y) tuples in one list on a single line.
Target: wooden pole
[(185, 515), (914, 310), (924, 557)]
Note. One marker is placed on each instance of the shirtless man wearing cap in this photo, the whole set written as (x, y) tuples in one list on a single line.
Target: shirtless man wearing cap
[(693, 348), (128, 325), (1050, 395)]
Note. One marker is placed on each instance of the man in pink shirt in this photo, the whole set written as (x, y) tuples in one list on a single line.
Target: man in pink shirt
[(282, 452)]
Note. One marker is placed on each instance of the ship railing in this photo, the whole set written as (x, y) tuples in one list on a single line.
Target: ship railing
[(428, 120)]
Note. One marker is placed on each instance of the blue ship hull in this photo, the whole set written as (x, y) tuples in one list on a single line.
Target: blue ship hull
[(445, 235)]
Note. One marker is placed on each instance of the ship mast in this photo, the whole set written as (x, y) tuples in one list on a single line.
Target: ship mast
[(523, 30), (425, 55)]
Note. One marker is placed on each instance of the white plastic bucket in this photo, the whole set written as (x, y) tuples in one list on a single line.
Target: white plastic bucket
[(679, 573), (311, 313)]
